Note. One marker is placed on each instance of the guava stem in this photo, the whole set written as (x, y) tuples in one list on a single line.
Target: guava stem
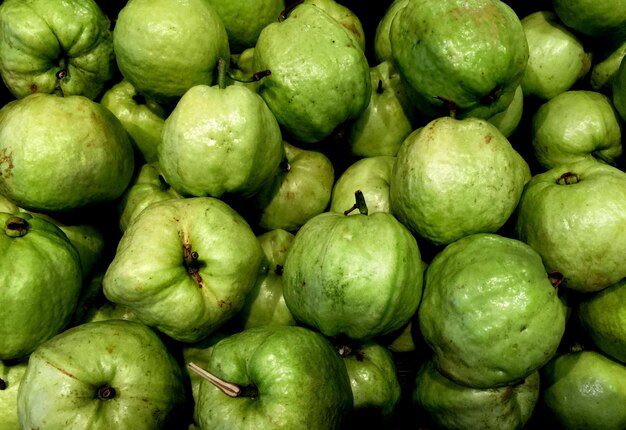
[(285, 12), (555, 278), (228, 388), (359, 204), (450, 105), (222, 73), (568, 178), (16, 226)]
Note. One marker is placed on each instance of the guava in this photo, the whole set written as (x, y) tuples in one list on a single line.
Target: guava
[(319, 75), (602, 316), (389, 117), (574, 125), (11, 375), (375, 385), (165, 47), (265, 304), (371, 176), (455, 177), (141, 117), (453, 406), (558, 57), (40, 282), (220, 140), (244, 20), (356, 276), (590, 17), (102, 375), (585, 390), (184, 266), (60, 47), (62, 153), (278, 377), (574, 216), (490, 311), (463, 57), (301, 189)]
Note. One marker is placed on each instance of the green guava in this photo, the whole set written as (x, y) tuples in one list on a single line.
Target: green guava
[(40, 282), (490, 311), (464, 57)]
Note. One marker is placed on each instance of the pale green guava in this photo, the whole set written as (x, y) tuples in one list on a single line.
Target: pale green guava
[(40, 282), (574, 125), (455, 177), (490, 311), (320, 77), (574, 216), (62, 153)]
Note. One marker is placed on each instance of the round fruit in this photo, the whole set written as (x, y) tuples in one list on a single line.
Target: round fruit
[(490, 311), (62, 153)]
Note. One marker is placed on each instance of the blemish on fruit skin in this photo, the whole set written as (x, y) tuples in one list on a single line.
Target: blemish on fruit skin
[(488, 139), (6, 164), (33, 88)]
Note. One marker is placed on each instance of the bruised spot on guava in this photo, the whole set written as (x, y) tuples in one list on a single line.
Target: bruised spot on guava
[(488, 139), (6, 164), (224, 303), (33, 88)]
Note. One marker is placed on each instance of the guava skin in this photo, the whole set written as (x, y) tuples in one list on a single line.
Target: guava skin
[(585, 390), (165, 47), (197, 255), (320, 77), (574, 216), (220, 141), (358, 276), (10, 376), (56, 47), (147, 186), (375, 385), (574, 125), (558, 56), (602, 316), (101, 375), (62, 153), (463, 56), (300, 190), (453, 406), (503, 317), (300, 381), (40, 282), (142, 118), (265, 304), (370, 175), (440, 188)]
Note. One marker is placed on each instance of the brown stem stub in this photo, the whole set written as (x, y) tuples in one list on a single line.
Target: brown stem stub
[(16, 226), (190, 261), (568, 178), (555, 278), (285, 12), (106, 392)]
